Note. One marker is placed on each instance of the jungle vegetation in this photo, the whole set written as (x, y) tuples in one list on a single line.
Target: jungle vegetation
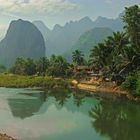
[(118, 57)]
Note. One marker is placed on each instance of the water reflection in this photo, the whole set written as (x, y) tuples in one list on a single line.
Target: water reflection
[(23, 107), (29, 105), (114, 120), (26, 107), (60, 95), (118, 120), (79, 97)]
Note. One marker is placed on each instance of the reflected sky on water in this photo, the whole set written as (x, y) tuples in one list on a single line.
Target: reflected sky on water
[(61, 114)]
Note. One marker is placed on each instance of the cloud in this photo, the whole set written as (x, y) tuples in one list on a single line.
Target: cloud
[(33, 7)]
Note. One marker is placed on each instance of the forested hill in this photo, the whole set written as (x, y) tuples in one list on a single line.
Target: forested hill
[(88, 40)]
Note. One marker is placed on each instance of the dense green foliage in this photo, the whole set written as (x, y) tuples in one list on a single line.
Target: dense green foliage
[(2, 69), (58, 67), (132, 20), (41, 65), (55, 66), (132, 83), (119, 55), (78, 57), (24, 67)]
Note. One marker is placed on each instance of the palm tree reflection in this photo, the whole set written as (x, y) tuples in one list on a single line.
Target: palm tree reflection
[(117, 120)]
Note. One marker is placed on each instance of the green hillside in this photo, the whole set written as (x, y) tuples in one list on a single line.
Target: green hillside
[(88, 40)]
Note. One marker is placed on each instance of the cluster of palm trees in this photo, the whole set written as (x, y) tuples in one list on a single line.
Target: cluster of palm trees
[(111, 57), (119, 54)]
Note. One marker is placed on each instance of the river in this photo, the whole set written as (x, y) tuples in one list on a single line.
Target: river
[(61, 114)]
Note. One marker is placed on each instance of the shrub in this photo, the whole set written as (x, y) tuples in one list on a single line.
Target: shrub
[(130, 82), (31, 81)]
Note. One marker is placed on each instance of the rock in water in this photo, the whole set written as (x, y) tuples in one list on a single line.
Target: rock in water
[(23, 39)]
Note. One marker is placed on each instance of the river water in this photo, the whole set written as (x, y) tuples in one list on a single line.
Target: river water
[(61, 114)]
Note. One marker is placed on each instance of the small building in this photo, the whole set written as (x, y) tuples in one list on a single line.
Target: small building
[(91, 71)]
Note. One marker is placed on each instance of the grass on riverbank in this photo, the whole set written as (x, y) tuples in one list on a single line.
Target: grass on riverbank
[(16, 81)]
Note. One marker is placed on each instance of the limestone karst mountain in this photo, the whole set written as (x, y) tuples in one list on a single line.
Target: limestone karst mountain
[(23, 39)]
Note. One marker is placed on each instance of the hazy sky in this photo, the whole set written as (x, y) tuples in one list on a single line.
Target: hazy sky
[(59, 11)]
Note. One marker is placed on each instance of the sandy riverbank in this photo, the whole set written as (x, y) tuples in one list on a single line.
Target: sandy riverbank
[(6, 137), (102, 88), (106, 87)]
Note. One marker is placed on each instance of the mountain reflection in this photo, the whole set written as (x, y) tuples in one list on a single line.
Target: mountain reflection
[(117, 120), (28, 104), (114, 120), (24, 108)]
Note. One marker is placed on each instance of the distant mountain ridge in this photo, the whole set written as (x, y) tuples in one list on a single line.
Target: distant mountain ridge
[(62, 38), (23, 39), (114, 24), (35, 40)]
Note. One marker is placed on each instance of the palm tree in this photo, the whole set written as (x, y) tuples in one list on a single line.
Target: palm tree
[(98, 55), (132, 22), (117, 42), (110, 55), (78, 57)]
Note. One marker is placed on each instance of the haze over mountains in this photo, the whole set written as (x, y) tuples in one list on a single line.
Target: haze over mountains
[(89, 39), (35, 40), (23, 39), (64, 38), (43, 28), (61, 38)]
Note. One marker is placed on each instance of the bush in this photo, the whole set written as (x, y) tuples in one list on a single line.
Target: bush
[(31, 81), (130, 82)]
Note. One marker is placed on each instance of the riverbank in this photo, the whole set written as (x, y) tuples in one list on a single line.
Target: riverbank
[(104, 88), (16, 81), (6, 137), (98, 87)]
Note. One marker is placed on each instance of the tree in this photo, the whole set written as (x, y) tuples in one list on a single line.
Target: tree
[(109, 56), (41, 65), (30, 67), (117, 59), (58, 66), (24, 67), (19, 66), (132, 27), (98, 55), (2, 68), (132, 21), (119, 55), (78, 57)]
